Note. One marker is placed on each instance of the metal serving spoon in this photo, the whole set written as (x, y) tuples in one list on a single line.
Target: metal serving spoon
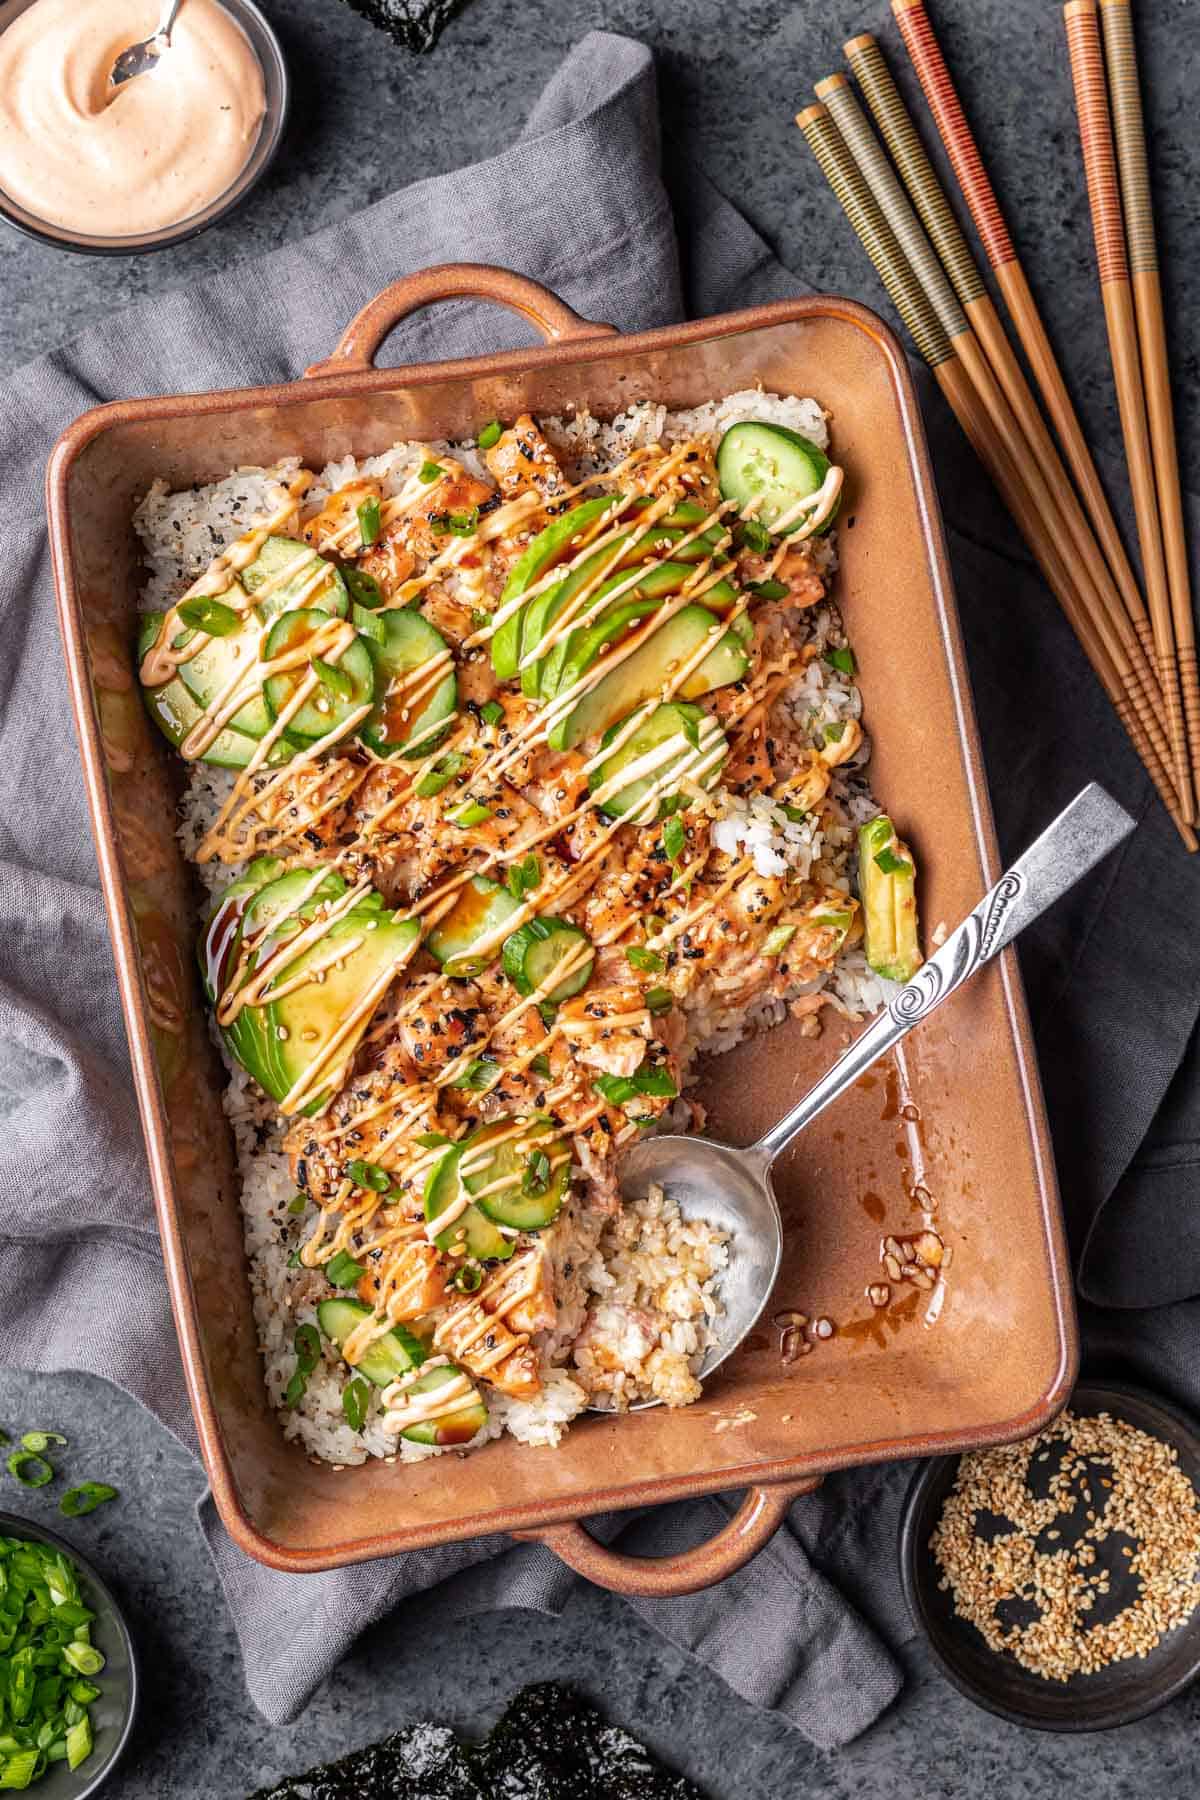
[(139, 59), (732, 1188)]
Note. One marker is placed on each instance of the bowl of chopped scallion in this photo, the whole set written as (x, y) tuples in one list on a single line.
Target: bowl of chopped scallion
[(68, 1681)]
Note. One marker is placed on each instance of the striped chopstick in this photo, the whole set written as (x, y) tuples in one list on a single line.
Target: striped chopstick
[(1095, 136), (915, 309), (1110, 625), (928, 196), (960, 146), (1120, 51)]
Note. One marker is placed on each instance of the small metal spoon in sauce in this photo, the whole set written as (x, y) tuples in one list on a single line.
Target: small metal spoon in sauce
[(141, 58), (732, 1190)]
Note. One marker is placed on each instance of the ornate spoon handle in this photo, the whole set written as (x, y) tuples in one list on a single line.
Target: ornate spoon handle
[(1083, 833)]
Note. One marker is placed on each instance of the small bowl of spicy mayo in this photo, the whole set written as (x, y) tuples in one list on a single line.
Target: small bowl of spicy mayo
[(110, 171)]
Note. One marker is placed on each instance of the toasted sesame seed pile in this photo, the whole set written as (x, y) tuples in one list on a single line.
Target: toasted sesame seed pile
[(1116, 1489)]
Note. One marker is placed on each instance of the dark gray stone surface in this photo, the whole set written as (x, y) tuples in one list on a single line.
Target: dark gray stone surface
[(367, 119)]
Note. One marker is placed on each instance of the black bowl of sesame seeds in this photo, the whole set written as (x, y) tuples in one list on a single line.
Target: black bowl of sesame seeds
[(1058, 1580)]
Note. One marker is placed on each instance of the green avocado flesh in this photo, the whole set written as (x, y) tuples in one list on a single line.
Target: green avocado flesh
[(278, 1041), (475, 918), (402, 642), (547, 548), (675, 720), (644, 674), (451, 1428), (537, 1166), (394, 1354)]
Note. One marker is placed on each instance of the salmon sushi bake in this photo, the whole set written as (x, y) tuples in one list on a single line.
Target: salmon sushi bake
[(519, 773)]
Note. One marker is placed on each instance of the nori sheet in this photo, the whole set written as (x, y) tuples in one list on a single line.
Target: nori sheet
[(415, 24), (551, 1744)]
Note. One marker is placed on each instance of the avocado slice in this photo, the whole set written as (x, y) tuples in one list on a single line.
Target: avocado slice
[(218, 939), (175, 712), (644, 674), (547, 548), (278, 1041), (677, 721), (394, 1354)]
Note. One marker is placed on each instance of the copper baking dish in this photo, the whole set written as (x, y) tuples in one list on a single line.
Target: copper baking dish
[(963, 1119)]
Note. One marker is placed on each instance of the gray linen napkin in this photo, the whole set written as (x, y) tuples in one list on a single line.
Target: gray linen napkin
[(80, 1282)]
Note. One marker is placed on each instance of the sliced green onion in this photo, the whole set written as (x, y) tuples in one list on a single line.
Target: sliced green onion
[(430, 471), (343, 1271), (470, 814), (674, 837), (206, 614), (841, 659), (356, 1397), (491, 712), (85, 1659), (656, 1082), (770, 590), (536, 1178), (364, 589), (440, 775), (467, 1278), (489, 435), (77, 1502), (333, 678), (541, 1065), (836, 732), (638, 957), (370, 522), (79, 1742), (777, 939), (796, 814), (659, 1000), (615, 1089), (887, 860), (368, 1175), (39, 1470), (297, 1204), (37, 1441), (455, 524), (478, 1075), (307, 1345), (430, 1140), (19, 1769), (754, 536)]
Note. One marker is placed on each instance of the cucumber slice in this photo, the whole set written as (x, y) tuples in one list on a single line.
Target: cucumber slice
[(472, 1230), (533, 952), (409, 641), (644, 674), (547, 548), (476, 918), (678, 719), (458, 1427), (773, 465), (325, 709), (536, 1166), (394, 1354), (279, 553), (214, 668)]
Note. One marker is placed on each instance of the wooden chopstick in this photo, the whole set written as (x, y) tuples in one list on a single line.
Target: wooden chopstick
[(1129, 130), (1110, 624), (960, 146), (1095, 136), (908, 297), (925, 190)]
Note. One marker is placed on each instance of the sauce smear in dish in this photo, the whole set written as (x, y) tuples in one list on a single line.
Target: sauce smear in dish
[(121, 162)]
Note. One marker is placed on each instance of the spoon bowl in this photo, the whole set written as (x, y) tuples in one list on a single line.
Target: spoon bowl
[(731, 1189)]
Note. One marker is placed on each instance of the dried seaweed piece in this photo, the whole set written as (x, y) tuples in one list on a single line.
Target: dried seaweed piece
[(416, 25), (550, 1745)]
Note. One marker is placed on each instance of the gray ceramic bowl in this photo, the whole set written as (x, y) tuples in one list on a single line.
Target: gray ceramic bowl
[(275, 80), (1114, 1696), (112, 1713)]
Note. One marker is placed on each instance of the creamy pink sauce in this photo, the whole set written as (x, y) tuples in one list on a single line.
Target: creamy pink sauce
[(122, 162)]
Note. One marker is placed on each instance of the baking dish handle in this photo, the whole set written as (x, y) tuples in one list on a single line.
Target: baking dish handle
[(751, 1528), (366, 331)]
